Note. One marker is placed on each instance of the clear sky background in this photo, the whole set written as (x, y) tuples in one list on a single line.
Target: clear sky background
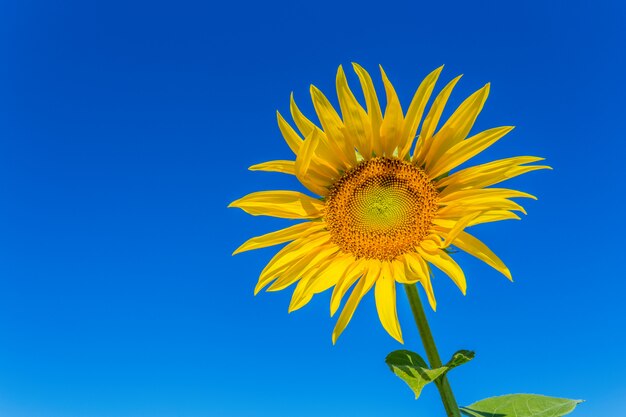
[(127, 127)]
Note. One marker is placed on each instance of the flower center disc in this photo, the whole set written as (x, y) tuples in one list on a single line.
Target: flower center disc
[(381, 208)]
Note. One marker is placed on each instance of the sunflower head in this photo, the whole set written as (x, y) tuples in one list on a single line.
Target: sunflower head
[(389, 197)]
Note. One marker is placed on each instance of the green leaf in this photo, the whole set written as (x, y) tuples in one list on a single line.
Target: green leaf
[(459, 358), (521, 405), (413, 369)]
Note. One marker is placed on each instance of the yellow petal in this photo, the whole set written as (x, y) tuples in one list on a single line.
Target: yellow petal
[(330, 120), (355, 119), (332, 272), (516, 171), (466, 149), (415, 112), (373, 107), (416, 264), (291, 137), (385, 294), (348, 309), (458, 228), (481, 217), (361, 288), (282, 260), (296, 269), (306, 164), (431, 243), (281, 236), (457, 126), (475, 247), (494, 216), (480, 195), (492, 166), (299, 299), (393, 120), (309, 260), (431, 121), (430, 294), (304, 125), (457, 209), (491, 173), (284, 204), (333, 128), (286, 167), (325, 277), (419, 268), (288, 256), (444, 262), (400, 273), (319, 159), (352, 274), (465, 202)]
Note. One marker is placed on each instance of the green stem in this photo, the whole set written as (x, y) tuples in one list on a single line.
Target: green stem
[(447, 397)]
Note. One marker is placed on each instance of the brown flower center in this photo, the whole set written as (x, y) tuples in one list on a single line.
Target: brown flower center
[(381, 208)]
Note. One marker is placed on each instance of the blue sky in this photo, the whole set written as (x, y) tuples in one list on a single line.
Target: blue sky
[(127, 127)]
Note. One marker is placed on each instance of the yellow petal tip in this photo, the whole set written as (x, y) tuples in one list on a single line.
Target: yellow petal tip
[(507, 274), (433, 304), (257, 289), (356, 65)]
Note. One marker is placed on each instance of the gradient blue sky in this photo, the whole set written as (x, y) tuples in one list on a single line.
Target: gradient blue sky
[(127, 127)]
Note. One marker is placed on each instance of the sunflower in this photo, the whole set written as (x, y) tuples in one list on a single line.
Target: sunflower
[(389, 203)]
